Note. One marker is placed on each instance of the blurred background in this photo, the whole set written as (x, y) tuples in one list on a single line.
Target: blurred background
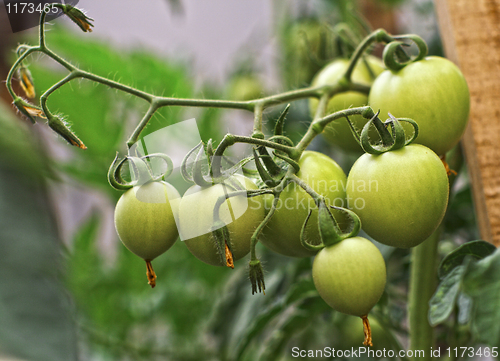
[(69, 290)]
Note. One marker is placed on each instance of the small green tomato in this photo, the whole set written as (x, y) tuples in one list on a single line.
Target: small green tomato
[(338, 132), (241, 215), (350, 275), (145, 221)]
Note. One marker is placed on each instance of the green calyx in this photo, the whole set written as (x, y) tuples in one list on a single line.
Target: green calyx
[(395, 58), (391, 132), (141, 171), (256, 275), (329, 229)]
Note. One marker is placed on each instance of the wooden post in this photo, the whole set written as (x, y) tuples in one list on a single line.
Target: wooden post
[(470, 30)]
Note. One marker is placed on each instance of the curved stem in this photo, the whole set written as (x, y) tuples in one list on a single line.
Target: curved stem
[(322, 106), (255, 236), (319, 125), (308, 189), (276, 191), (230, 139), (53, 88), (41, 34), (290, 95), (140, 127), (379, 35), (113, 84)]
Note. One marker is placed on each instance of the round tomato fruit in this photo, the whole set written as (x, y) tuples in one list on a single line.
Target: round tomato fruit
[(145, 219), (433, 92), (350, 275), (400, 196), (240, 214), (245, 87), (304, 48), (338, 132), (282, 233)]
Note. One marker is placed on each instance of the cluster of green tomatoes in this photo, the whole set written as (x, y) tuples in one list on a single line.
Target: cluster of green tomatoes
[(399, 193)]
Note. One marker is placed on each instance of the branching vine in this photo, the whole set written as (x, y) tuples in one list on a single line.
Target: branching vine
[(275, 156), (283, 163)]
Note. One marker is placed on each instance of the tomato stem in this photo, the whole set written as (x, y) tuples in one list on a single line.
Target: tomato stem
[(229, 256), (449, 171), (367, 331), (423, 282), (150, 274), (379, 35)]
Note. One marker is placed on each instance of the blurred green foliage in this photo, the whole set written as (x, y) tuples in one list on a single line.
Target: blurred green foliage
[(35, 310)]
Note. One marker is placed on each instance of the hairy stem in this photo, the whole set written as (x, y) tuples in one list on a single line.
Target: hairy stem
[(230, 139), (277, 191), (379, 35), (140, 127), (257, 122), (319, 125)]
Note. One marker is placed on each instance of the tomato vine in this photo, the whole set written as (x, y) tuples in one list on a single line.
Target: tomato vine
[(276, 171)]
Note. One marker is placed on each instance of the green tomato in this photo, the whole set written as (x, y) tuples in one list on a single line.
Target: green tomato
[(352, 334), (145, 219), (242, 215), (282, 233), (400, 196), (245, 87), (303, 49), (350, 275), (433, 92), (338, 132)]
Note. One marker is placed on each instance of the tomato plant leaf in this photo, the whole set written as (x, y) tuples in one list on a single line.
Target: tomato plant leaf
[(303, 289), (464, 308), (443, 300), (476, 249), (482, 284), (297, 318)]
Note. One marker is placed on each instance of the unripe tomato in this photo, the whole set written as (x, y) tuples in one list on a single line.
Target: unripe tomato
[(352, 334), (282, 233), (350, 275), (304, 48), (400, 196), (433, 92), (145, 219), (338, 132), (242, 215), (245, 87)]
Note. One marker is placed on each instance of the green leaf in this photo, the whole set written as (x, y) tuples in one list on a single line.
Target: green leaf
[(464, 308), (303, 289), (482, 284), (297, 317), (476, 249), (443, 300)]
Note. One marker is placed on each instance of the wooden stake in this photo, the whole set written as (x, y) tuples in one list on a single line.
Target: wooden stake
[(471, 39)]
